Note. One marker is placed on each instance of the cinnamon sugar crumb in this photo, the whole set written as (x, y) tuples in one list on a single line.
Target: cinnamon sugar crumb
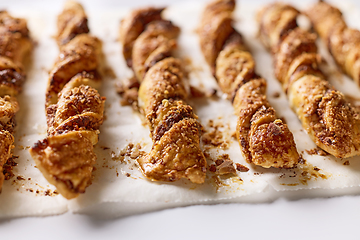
[(8, 167), (317, 151), (276, 95), (222, 165), (215, 137), (241, 168), (129, 92), (132, 151)]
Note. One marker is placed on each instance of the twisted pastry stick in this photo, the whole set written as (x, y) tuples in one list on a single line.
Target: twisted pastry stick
[(74, 108), (15, 46), (264, 140), (342, 42), (148, 41), (328, 118)]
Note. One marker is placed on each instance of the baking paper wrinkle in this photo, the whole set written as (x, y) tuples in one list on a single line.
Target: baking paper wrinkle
[(113, 192)]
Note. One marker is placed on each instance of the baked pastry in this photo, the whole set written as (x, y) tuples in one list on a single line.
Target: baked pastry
[(74, 108), (133, 25), (329, 119), (148, 41), (15, 46), (264, 140), (343, 42)]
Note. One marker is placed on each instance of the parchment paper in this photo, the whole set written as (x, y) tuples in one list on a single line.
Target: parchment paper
[(118, 186)]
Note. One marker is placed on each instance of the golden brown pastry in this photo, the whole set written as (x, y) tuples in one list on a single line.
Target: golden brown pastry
[(148, 41), (74, 108), (264, 140), (343, 42), (82, 53), (71, 22), (15, 46), (133, 25), (328, 118)]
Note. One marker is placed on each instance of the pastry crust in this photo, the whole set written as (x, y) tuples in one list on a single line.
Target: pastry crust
[(173, 125), (133, 25), (82, 53), (156, 42), (74, 108), (343, 42), (15, 46), (71, 22), (264, 140), (215, 28), (329, 119)]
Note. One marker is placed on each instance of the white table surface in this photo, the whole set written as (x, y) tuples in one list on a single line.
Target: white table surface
[(285, 218)]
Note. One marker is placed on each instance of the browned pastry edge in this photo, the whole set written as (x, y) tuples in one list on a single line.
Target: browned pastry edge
[(263, 139), (148, 42), (329, 119), (60, 160)]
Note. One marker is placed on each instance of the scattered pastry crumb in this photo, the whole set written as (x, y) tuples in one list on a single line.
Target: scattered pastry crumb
[(221, 165), (224, 165), (130, 98), (346, 163), (50, 193), (117, 157), (241, 168), (308, 171), (212, 168), (21, 178), (317, 151), (127, 155), (276, 95), (215, 137), (128, 90), (8, 167)]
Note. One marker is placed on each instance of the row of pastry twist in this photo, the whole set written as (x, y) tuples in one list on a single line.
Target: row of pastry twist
[(329, 119), (148, 43), (74, 108), (264, 139), (343, 42)]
